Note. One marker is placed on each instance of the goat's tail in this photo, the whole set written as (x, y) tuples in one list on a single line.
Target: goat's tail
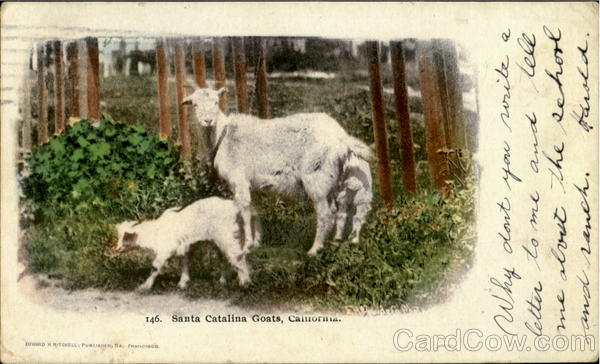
[(359, 148)]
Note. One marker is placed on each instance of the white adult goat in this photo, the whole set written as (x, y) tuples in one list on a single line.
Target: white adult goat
[(298, 151), (176, 229)]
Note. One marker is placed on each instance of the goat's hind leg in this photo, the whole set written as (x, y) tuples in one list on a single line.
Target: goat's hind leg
[(324, 222), (341, 214), (358, 220), (319, 187), (185, 271)]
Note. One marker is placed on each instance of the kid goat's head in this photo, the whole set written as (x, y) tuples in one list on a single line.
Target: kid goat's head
[(206, 104), (127, 235)]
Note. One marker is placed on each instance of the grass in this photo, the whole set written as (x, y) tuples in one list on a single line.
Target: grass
[(404, 253)]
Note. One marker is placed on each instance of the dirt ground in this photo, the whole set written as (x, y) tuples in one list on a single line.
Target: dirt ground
[(48, 292)]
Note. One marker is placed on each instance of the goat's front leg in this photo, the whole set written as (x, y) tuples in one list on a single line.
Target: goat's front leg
[(324, 222), (238, 260), (157, 266), (229, 244), (242, 199)]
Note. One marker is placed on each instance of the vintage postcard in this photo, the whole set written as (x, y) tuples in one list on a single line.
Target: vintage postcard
[(299, 182)]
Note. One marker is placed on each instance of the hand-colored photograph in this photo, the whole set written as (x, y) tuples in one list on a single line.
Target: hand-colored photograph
[(329, 174), (299, 182)]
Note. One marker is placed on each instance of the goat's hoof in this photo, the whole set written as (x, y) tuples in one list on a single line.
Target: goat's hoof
[(243, 277), (143, 288), (312, 252), (183, 281), (252, 244)]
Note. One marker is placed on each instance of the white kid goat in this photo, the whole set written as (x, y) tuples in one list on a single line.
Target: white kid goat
[(298, 151), (354, 196), (176, 229)]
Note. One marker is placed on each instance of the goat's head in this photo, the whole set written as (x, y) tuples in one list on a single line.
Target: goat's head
[(206, 104), (127, 235)]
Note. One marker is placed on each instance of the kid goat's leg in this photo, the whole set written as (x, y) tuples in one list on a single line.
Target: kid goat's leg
[(236, 257), (182, 251), (185, 272), (157, 266), (241, 267)]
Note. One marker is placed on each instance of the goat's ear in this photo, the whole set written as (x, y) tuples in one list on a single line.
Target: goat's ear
[(129, 239), (187, 100), (221, 90)]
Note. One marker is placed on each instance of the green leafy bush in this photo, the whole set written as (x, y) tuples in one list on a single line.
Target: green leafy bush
[(88, 162), (91, 177)]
